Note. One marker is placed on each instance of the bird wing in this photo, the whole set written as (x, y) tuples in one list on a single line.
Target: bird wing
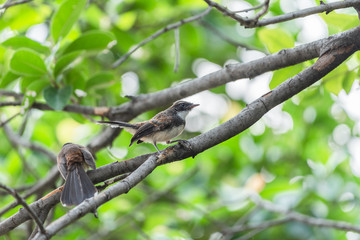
[(158, 123), (143, 131), (89, 159), (62, 165)]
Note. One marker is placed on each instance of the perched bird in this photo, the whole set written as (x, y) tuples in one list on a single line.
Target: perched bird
[(163, 127), (72, 162)]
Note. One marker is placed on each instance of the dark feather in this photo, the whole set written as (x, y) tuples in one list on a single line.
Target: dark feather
[(62, 166), (77, 188), (143, 131), (89, 159)]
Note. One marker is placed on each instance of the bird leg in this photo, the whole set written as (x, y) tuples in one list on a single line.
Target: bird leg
[(154, 143)]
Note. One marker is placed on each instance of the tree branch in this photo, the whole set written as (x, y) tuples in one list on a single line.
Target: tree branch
[(26, 206), (9, 3), (89, 205), (96, 111), (44, 183), (250, 23), (19, 141), (221, 35), (158, 33), (308, 11), (295, 216)]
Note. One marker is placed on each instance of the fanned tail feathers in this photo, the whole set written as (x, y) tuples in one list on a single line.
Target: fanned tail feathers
[(77, 188)]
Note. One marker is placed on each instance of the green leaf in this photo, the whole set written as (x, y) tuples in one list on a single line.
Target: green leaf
[(26, 81), (65, 61), (66, 17), (32, 91), (283, 74), (276, 39), (340, 21), (57, 98), (27, 63), (24, 42), (39, 85), (100, 80), (8, 78), (78, 117), (337, 78), (348, 81), (91, 41), (75, 78)]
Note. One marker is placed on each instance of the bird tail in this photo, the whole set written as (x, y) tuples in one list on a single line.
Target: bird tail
[(117, 124), (77, 188)]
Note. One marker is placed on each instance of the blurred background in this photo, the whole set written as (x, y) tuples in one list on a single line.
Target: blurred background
[(303, 154)]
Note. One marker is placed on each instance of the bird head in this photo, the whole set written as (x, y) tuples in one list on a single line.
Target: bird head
[(182, 108)]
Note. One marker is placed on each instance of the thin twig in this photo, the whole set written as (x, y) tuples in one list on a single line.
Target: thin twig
[(26, 206), (299, 217), (250, 23), (262, 12), (2, 123), (306, 12), (225, 37), (39, 187), (8, 93), (11, 4), (19, 141), (18, 189), (158, 33), (250, 9), (177, 49), (243, 21), (261, 226), (111, 181)]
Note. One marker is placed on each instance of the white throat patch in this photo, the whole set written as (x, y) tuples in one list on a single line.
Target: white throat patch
[(183, 114)]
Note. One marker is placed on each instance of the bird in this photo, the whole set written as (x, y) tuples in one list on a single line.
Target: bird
[(72, 161), (163, 127)]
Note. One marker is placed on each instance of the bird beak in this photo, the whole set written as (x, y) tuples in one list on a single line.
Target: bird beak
[(194, 105)]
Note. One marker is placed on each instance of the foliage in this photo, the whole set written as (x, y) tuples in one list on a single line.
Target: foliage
[(293, 156)]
